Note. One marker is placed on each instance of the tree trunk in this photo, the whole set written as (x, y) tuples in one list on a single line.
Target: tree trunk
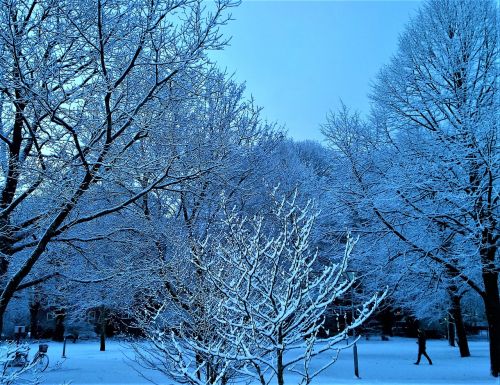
[(2, 313), (463, 344), (102, 346), (280, 369), (492, 308), (59, 326), (35, 307), (386, 317), (451, 328), (103, 330), (279, 356)]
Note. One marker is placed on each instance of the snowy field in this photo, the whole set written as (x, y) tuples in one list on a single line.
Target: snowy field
[(380, 363)]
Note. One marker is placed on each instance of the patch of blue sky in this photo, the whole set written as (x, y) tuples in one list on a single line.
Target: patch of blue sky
[(300, 58)]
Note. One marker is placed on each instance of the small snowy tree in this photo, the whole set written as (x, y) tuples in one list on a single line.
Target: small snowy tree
[(261, 297)]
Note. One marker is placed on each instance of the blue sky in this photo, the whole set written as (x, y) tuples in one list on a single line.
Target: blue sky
[(299, 58)]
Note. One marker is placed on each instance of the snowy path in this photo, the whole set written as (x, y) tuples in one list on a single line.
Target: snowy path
[(380, 363)]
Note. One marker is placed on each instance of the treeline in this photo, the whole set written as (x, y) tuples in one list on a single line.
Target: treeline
[(136, 177)]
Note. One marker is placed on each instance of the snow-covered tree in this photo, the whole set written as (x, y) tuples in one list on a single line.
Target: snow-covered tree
[(372, 175), (440, 95), (252, 303), (83, 86), (429, 163)]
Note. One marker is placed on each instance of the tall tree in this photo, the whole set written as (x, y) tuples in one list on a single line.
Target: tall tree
[(442, 90), (435, 146)]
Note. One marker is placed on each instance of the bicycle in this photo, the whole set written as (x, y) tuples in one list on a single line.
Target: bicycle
[(18, 359)]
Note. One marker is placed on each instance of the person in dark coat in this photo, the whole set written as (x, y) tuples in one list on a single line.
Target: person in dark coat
[(421, 347)]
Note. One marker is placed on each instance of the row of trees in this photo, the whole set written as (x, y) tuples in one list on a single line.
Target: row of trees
[(120, 146), (89, 98)]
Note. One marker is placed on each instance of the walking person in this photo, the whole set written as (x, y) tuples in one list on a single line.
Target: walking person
[(421, 347)]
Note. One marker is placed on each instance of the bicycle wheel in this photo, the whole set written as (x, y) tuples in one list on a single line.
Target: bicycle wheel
[(14, 365), (7, 367), (41, 362)]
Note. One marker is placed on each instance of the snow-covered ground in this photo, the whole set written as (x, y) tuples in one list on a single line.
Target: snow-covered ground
[(380, 362)]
